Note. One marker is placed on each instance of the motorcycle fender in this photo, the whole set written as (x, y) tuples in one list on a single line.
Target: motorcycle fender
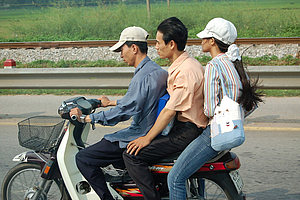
[(21, 157), (31, 156)]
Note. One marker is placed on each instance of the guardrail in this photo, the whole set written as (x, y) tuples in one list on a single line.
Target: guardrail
[(271, 77), (98, 43)]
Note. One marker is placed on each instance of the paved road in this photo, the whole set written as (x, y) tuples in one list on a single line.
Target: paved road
[(270, 155)]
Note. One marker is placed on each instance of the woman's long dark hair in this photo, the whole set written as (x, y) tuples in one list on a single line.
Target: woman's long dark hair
[(250, 96)]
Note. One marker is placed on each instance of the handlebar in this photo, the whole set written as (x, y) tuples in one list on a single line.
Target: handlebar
[(95, 103), (74, 117), (87, 106)]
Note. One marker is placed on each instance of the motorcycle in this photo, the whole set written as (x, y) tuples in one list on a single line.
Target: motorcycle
[(49, 170)]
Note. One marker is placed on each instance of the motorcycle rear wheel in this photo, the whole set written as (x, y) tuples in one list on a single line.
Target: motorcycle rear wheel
[(205, 189), (21, 181), (216, 186)]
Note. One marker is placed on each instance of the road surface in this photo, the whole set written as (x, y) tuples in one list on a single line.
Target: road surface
[(270, 156)]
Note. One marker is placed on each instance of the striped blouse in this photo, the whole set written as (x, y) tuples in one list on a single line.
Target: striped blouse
[(212, 88)]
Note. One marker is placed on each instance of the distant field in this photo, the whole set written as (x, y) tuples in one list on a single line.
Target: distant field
[(264, 18)]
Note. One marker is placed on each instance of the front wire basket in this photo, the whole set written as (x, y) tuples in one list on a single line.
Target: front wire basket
[(38, 133)]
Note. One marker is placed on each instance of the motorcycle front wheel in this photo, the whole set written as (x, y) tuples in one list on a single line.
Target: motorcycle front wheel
[(22, 181)]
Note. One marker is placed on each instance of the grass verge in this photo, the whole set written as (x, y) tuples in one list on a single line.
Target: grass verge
[(118, 92), (99, 92), (259, 61), (281, 93)]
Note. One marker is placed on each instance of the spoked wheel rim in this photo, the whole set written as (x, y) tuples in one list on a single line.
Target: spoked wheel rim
[(205, 189), (24, 182)]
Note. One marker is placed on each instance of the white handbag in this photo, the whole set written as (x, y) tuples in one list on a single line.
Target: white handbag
[(227, 129)]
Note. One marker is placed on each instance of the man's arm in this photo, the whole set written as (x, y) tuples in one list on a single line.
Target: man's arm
[(162, 121)]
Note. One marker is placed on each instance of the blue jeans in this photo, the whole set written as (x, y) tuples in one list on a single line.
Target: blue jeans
[(196, 154)]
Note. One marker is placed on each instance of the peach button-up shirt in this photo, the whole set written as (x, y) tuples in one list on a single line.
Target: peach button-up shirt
[(185, 87)]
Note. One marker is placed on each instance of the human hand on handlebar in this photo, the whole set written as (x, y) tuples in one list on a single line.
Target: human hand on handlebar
[(136, 145), (106, 102), (75, 112)]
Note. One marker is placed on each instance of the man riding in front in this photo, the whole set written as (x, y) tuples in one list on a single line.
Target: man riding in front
[(140, 102)]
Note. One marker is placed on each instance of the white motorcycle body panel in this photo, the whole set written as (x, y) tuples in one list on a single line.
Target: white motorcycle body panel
[(69, 171), (67, 165)]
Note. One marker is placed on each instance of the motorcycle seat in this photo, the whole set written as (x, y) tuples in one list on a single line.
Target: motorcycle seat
[(172, 159)]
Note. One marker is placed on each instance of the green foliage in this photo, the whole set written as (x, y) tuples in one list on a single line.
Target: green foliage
[(290, 31), (71, 63), (281, 93), (39, 64), (162, 62), (70, 20), (260, 61), (63, 91), (267, 93), (2, 62), (204, 59), (265, 60), (271, 61)]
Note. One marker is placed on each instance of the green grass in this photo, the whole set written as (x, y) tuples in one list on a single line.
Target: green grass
[(11, 18), (264, 18), (63, 91), (281, 93), (271, 61), (119, 92), (72, 63), (260, 61)]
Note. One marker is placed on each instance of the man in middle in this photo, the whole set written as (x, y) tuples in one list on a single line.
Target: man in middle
[(185, 87)]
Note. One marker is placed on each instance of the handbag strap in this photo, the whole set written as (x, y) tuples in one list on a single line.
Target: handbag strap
[(224, 89)]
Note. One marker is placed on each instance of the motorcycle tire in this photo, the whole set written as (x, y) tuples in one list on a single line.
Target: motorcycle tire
[(21, 181), (216, 186)]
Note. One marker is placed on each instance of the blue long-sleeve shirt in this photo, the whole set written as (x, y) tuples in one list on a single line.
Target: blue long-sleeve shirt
[(140, 102)]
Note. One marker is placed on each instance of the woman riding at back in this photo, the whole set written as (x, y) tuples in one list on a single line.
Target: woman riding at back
[(217, 39)]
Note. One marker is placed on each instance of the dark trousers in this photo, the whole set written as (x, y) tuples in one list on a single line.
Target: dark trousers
[(101, 154), (180, 136)]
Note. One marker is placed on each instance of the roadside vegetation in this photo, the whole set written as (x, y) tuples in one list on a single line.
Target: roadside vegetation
[(73, 21), (66, 20), (118, 92), (248, 61)]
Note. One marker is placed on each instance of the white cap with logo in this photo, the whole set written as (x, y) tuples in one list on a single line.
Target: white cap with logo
[(220, 29), (133, 33)]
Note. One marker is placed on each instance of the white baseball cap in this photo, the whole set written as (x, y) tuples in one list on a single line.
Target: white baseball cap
[(133, 33), (220, 29)]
